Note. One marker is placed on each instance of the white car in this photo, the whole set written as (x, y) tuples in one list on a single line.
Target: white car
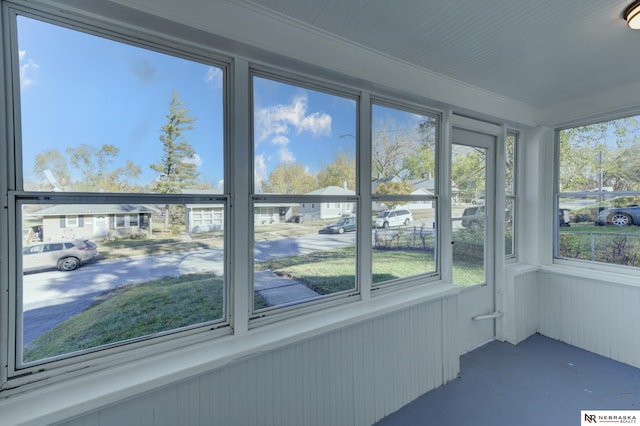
[(389, 218), (63, 255)]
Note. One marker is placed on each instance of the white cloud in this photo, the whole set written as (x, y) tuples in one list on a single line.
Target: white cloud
[(280, 140), (260, 170), (195, 159), (26, 70), (286, 156), (281, 119), (214, 77)]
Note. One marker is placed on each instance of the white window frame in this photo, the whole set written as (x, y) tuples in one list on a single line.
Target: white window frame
[(513, 197), (434, 199), (557, 194), (15, 374), (278, 313)]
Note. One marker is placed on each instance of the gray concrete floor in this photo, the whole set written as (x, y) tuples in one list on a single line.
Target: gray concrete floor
[(541, 381)]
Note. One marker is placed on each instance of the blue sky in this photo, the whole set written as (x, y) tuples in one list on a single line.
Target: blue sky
[(81, 89)]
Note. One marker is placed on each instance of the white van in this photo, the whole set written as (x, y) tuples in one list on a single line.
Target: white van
[(389, 218)]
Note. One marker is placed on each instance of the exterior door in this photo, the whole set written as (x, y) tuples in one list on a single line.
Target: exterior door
[(100, 226), (473, 177)]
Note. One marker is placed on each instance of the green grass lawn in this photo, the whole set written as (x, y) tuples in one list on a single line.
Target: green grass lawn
[(332, 271), (134, 311)]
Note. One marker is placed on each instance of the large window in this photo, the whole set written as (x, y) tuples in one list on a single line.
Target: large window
[(598, 213), (118, 144), (305, 202), (404, 193), (510, 190)]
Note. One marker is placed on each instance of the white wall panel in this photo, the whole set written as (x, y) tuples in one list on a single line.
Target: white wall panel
[(521, 300), (351, 376), (594, 314)]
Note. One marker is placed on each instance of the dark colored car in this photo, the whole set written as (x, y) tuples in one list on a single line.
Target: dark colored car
[(345, 224), (63, 255), (620, 216)]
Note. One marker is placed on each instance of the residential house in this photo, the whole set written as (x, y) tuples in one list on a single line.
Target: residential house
[(95, 221), (328, 210)]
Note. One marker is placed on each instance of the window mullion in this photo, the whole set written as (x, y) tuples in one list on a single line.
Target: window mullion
[(364, 190), (240, 187)]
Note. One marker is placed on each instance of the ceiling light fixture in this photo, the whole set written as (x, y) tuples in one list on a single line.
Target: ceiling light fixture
[(632, 15)]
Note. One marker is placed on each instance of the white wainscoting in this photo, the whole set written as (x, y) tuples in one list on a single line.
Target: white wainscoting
[(354, 375), (592, 310), (521, 299)]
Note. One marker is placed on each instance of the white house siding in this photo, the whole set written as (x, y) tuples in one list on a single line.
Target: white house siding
[(328, 209)]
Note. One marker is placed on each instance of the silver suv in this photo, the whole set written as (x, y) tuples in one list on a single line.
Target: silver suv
[(389, 218), (63, 255)]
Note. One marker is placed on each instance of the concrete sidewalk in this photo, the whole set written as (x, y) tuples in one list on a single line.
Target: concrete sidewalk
[(278, 291)]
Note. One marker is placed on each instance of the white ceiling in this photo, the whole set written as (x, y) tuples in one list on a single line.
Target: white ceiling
[(541, 52)]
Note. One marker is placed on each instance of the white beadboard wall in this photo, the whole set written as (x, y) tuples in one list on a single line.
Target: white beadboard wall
[(521, 301), (352, 376), (596, 314)]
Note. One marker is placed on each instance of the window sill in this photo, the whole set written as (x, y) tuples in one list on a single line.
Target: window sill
[(75, 396), (616, 278)]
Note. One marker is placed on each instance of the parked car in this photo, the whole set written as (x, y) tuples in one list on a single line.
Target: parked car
[(620, 216), (345, 224), (389, 218), (63, 255), (473, 217)]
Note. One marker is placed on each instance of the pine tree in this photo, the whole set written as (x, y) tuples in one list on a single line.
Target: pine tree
[(177, 169)]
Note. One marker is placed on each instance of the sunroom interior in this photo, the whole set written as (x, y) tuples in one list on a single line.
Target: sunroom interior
[(484, 76)]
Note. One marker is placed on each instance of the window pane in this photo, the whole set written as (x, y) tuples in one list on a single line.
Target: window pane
[(600, 228), (108, 283), (403, 186), (510, 164), (600, 157), (469, 173), (302, 254), (404, 242), (509, 215), (598, 213), (103, 116), (304, 140), (403, 152)]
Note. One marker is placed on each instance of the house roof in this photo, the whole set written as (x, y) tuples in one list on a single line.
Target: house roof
[(332, 190), (93, 209)]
